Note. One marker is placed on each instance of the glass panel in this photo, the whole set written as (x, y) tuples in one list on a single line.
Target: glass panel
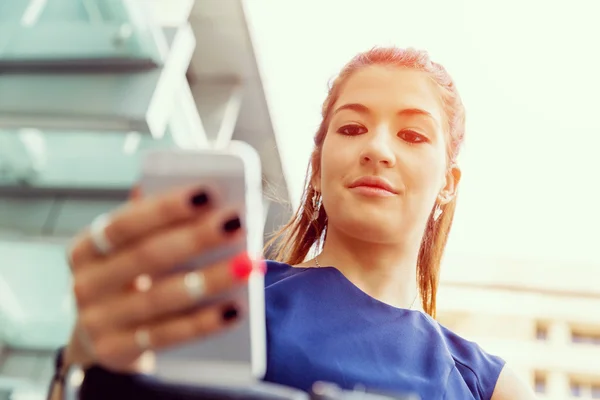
[(73, 159), (36, 305), (79, 29)]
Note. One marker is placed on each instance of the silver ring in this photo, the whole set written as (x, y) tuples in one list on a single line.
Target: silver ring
[(98, 234), (195, 284), (142, 339)]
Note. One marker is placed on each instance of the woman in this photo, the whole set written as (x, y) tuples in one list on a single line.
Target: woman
[(380, 196)]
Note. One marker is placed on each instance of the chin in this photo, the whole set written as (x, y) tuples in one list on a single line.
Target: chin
[(373, 228)]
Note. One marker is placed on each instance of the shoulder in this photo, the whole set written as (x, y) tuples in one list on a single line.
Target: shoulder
[(277, 271), (479, 369), (485, 372)]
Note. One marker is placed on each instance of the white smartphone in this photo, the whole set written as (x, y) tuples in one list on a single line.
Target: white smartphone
[(238, 355)]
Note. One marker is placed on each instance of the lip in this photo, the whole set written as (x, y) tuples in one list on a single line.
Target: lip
[(373, 182)]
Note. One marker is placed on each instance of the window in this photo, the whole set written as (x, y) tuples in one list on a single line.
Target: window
[(576, 389), (596, 391), (540, 383), (584, 389), (585, 336), (541, 332), (577, 338)]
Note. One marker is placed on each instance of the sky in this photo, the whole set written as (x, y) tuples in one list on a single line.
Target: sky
[(528, 75)]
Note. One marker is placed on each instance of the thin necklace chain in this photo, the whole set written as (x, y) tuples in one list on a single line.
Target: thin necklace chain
[(411, 305)]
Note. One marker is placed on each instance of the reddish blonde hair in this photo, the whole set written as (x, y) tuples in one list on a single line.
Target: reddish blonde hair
[(292, 243)]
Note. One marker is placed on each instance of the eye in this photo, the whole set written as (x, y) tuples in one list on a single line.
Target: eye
[(412, 136), (352, 130)]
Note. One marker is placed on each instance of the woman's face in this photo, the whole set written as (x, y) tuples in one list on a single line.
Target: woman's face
[(383, 163)]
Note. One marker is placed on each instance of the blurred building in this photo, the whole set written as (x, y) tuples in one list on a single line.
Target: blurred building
[(86, 87), (540, 319)]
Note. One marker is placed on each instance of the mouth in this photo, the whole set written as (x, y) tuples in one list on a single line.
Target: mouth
[(373, 185)]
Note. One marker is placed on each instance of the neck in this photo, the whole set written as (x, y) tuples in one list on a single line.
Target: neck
[(387, 272)]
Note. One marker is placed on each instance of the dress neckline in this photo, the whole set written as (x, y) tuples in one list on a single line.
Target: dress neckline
[(352, 287)]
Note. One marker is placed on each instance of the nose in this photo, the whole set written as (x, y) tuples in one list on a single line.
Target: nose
[(378, 148)]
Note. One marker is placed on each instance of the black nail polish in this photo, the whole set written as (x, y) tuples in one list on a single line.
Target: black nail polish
[(199, 199), (230, 313), (232, 225)]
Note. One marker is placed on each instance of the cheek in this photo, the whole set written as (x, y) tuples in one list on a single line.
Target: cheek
[(332, 160), (425, 175)]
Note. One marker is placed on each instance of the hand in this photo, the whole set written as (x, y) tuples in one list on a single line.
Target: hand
[(118, 317)]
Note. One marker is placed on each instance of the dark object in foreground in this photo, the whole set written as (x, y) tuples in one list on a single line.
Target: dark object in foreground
[(103, 384)]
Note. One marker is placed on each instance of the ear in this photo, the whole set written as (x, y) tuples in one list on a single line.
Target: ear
[(452, 179)]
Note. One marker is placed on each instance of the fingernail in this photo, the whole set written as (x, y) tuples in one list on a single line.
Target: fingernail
[(232, 225), (230, 313), (199, 199), (241, 266)]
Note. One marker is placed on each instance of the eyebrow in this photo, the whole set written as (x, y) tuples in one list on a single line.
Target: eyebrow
[(407, 112)]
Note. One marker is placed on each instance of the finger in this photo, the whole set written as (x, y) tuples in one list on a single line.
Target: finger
[(139, 217), (136, 193), (173, 294), (157, 254), (123, 346)]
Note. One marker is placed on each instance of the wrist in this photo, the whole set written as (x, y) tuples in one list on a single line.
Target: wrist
[(75, 354), (61, 370)]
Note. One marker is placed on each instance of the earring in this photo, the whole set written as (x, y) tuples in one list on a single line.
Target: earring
[(316, 203), (437, 212)]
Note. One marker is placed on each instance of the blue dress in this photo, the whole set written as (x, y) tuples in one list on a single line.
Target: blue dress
[(321, 327)]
